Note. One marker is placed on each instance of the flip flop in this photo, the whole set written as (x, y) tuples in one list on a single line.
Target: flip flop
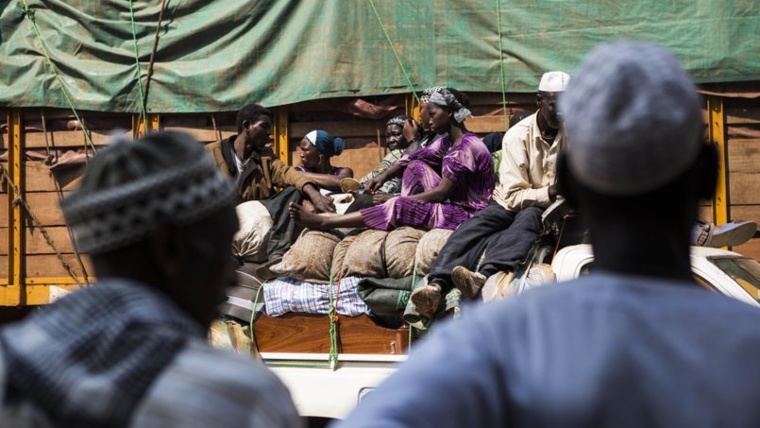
[(731, 234)]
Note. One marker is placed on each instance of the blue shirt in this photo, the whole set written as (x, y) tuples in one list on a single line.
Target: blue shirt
[(603, 350)]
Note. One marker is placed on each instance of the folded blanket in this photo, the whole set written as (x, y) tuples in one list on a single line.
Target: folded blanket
[(387, 298), (287, 294)]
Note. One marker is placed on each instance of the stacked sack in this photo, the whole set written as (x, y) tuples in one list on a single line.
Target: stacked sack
[(318, 255)]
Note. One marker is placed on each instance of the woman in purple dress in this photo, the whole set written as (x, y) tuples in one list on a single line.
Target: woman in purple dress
[(316, 149), (443, 184)]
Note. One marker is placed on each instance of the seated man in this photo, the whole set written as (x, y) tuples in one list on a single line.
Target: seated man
[(257, 174), (507, 227), (157, 218), (637, 342)]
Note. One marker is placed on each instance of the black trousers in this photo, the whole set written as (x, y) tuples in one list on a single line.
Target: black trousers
[(284, 230), (505, 236)]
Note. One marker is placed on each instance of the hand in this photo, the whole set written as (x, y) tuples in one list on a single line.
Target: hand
[(380, 198), (323, 204), (410, 130), (553, 193), (373, 184)]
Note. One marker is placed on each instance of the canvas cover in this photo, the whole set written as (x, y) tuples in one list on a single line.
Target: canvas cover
[(216, 55)]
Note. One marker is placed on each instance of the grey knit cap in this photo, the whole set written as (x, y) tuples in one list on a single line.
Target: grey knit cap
[(632, 118), (132, 187)]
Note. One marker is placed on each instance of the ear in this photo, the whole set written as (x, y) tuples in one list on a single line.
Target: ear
[(538, 100), (167, 250), (246, 124), (565, 180), (707, 171)]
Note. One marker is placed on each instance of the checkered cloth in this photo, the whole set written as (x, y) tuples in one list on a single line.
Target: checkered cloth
[(285, 295), (88, 359)]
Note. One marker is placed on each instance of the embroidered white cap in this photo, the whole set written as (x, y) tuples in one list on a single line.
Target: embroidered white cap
[(632, 117), (554, 81)]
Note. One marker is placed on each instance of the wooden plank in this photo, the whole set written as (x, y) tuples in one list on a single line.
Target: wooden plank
[(750, 248), (37, 244), (310, 333), (40, 178), (744, 155), (742, 115), (746, 212), (205, 134), (343, 129), (486, 124), (745, 188), (44, 206), (65, 139), (51, 266)]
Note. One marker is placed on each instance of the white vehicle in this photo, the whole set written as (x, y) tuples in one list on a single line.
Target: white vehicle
[(321, 392)]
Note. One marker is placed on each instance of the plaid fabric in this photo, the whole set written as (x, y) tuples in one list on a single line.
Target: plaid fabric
[(88, 359), (285, 295)]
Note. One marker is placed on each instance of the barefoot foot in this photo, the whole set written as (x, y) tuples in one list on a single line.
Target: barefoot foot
[(305, 218)]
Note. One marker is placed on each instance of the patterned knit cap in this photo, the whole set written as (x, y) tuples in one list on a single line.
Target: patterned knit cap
[(132, 187), (632, 118)]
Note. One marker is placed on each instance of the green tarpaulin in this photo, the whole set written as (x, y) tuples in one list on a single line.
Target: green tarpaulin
[(216, 55)]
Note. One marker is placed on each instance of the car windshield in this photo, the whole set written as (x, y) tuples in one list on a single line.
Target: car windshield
[(743, 270)]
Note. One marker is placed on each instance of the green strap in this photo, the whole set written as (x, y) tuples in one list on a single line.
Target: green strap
[(333, 358), (501, 65), (398, 58), (138, 77), (29, 14)]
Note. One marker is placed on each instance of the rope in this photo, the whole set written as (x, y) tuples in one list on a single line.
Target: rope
[(398, 58), (20, 200), (501, 66), (332, 314), (29, 14), (59, 192), (137, 69), (149, 74)]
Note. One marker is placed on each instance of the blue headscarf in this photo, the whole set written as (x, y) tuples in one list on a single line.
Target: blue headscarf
[(325, 143)]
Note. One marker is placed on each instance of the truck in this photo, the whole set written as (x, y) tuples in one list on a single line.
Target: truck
[(323, 392)]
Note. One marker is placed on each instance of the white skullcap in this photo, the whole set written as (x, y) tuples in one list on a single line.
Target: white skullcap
[(554, 81), (131, 188), (632, 118)]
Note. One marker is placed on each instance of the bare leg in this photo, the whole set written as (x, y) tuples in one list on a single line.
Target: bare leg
[(324, 222)]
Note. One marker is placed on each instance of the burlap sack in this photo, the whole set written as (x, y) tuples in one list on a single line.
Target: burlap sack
[(400, 246), (310, 257), (428, 248), (365, 257), (339, 268), (251, 239)]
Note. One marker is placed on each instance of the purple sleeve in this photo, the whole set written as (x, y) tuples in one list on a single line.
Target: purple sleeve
[(459, 160)]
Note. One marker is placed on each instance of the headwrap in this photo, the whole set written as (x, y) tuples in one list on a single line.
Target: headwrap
[(132, 187), (632, 117), (445, 98), (398, 120), (425, 97), (325, 143)]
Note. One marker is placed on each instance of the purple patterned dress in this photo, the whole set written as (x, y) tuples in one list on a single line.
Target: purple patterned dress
[(468, 164)]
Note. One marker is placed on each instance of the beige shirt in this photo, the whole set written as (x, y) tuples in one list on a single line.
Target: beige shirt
[(528, 166)]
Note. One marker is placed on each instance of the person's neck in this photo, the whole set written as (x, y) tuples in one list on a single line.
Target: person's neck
[(325, 167), (456, 133), (548, 133), (653, 248), (239, 146)]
